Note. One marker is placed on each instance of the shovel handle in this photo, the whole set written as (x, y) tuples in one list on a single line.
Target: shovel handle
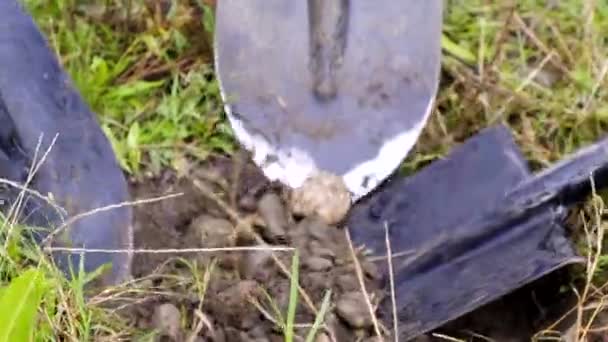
[(328, 22), (566, 182)]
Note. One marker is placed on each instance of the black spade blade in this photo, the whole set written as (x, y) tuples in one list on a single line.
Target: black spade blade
[(470, 228)]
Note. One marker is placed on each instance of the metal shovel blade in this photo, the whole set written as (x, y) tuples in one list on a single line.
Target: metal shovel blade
[(462, 233), (38, 103), (339, 86)]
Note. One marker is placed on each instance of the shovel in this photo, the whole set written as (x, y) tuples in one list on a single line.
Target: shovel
[(38, 103), (341, 86), (468, 229)]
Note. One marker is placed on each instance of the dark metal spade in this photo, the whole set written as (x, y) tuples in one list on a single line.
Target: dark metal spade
[(474, 226), (339, 86), (80, 171)]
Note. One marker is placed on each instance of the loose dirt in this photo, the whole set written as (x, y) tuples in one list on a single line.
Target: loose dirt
[(243, 296), (244, 287)]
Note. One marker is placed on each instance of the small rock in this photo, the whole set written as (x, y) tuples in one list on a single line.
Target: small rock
[(351, 307), (318, 281), (324, 195), (340, 331), (272, 211), (318, 250), (238, 293), (317, 264), (322, 337), (315, 227), (257, 265), (347, 283), (213, 232), (167, 319), (228, 261)]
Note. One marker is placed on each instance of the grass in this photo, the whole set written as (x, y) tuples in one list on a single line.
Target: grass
[(149, 81), (538, 66)]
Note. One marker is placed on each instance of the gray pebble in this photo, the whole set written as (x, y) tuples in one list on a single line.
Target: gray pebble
[(257, 265), (347, 283), (167, 320), (315, 227), (317, 264), (322, 337), (213, 232), (318, 250), (272, 211), (351, 307)]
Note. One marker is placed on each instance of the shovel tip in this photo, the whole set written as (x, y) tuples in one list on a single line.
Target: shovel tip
[(293, 166)]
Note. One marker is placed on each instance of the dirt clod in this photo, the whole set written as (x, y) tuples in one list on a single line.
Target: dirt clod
[(166, 320), (213, 232), (272, 210), (324, 195), (351, 307), (322, 337), (315, 227), (256, 265), (317, 264)]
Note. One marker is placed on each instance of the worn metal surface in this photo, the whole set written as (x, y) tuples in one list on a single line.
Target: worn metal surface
[(81, 171), (343, 86), (471, 227)]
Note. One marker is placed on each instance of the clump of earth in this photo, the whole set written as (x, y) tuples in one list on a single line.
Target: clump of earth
[(231, 296)]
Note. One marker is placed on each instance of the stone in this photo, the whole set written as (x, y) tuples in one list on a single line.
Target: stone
[(324, 195), (352, 309), (167, 320)]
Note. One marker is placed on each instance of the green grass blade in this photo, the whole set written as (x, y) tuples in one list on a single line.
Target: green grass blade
[(293, 298), (320, 317), (457, 51), (19, 306)]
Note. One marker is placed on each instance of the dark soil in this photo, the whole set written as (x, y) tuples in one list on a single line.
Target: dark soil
[(194, 220), (247, 209)]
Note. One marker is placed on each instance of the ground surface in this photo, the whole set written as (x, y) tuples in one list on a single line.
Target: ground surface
[(145, 68)]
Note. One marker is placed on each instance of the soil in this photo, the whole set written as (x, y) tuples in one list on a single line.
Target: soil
[(255, 214), (228, 204)]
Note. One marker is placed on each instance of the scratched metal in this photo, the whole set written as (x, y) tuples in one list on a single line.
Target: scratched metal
[(295, 92)]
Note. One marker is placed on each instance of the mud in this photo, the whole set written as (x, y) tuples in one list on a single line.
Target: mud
[(233, 296)]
